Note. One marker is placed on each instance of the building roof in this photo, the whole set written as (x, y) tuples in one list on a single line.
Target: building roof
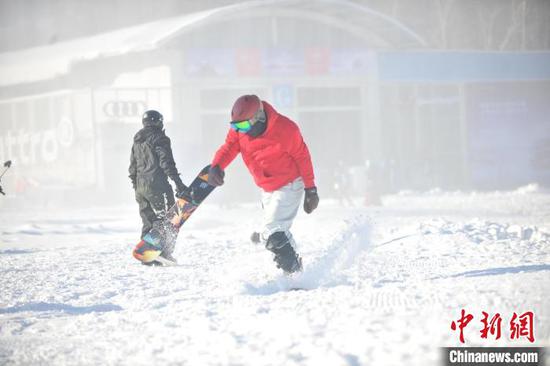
[(47, 62), (51, 61)]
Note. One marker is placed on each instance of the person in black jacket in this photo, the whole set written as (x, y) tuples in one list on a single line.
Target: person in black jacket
[(151, 164)]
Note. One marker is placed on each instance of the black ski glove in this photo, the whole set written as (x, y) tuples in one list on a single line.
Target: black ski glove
[(255, 237), (311, 200), (181, 188), (187, 194), (215, 176)]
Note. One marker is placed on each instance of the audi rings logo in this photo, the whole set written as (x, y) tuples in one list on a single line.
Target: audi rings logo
[(124, 108)]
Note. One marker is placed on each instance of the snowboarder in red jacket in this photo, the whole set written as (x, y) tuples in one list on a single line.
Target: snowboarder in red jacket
[(278, 159)]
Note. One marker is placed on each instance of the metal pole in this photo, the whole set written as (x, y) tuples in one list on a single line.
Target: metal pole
[(7, 164)]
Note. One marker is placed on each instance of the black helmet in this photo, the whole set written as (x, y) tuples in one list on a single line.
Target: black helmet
[(152, 118)]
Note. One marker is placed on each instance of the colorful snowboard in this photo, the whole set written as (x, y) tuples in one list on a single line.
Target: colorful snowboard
[(164, 233)]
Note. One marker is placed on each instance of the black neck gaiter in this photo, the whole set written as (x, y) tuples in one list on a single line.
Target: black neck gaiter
[(259, 127)]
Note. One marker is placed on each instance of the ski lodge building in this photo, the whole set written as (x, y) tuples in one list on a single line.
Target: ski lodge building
[(367, 91)]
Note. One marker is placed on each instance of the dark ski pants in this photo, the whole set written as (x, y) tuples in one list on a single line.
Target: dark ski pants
[(153, 206)]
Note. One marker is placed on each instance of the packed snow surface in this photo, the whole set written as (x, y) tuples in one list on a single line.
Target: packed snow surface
[(381, 285)]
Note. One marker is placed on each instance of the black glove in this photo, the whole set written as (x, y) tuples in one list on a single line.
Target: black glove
[(215, 176), (187, 194), (311, 200), (255, 237), (181, 189)]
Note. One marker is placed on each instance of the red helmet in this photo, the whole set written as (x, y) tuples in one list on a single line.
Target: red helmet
[(245, 107)]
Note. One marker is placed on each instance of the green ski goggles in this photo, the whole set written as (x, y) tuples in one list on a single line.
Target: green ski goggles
[(241, 126), (246, 125)]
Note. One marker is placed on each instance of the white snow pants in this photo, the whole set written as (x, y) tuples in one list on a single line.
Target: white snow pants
[(280, 207)]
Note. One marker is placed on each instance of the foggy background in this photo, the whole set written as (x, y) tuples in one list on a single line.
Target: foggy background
[(390, 95)]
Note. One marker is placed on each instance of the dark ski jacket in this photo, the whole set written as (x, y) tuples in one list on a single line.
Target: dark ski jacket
[(151, 160)]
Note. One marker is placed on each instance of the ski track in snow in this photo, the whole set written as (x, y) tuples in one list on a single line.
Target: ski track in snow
[(329, 269), (380, 285)]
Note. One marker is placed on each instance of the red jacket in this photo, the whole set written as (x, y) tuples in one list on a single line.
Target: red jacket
[(275, 158)]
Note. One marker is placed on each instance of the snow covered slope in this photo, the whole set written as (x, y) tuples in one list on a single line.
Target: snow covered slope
[(382, 284)]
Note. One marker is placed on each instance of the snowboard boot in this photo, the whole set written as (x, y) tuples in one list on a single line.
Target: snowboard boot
[(285, 256), (167, 258)]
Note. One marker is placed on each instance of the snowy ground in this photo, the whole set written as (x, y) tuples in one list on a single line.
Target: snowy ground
[(383, 284)]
